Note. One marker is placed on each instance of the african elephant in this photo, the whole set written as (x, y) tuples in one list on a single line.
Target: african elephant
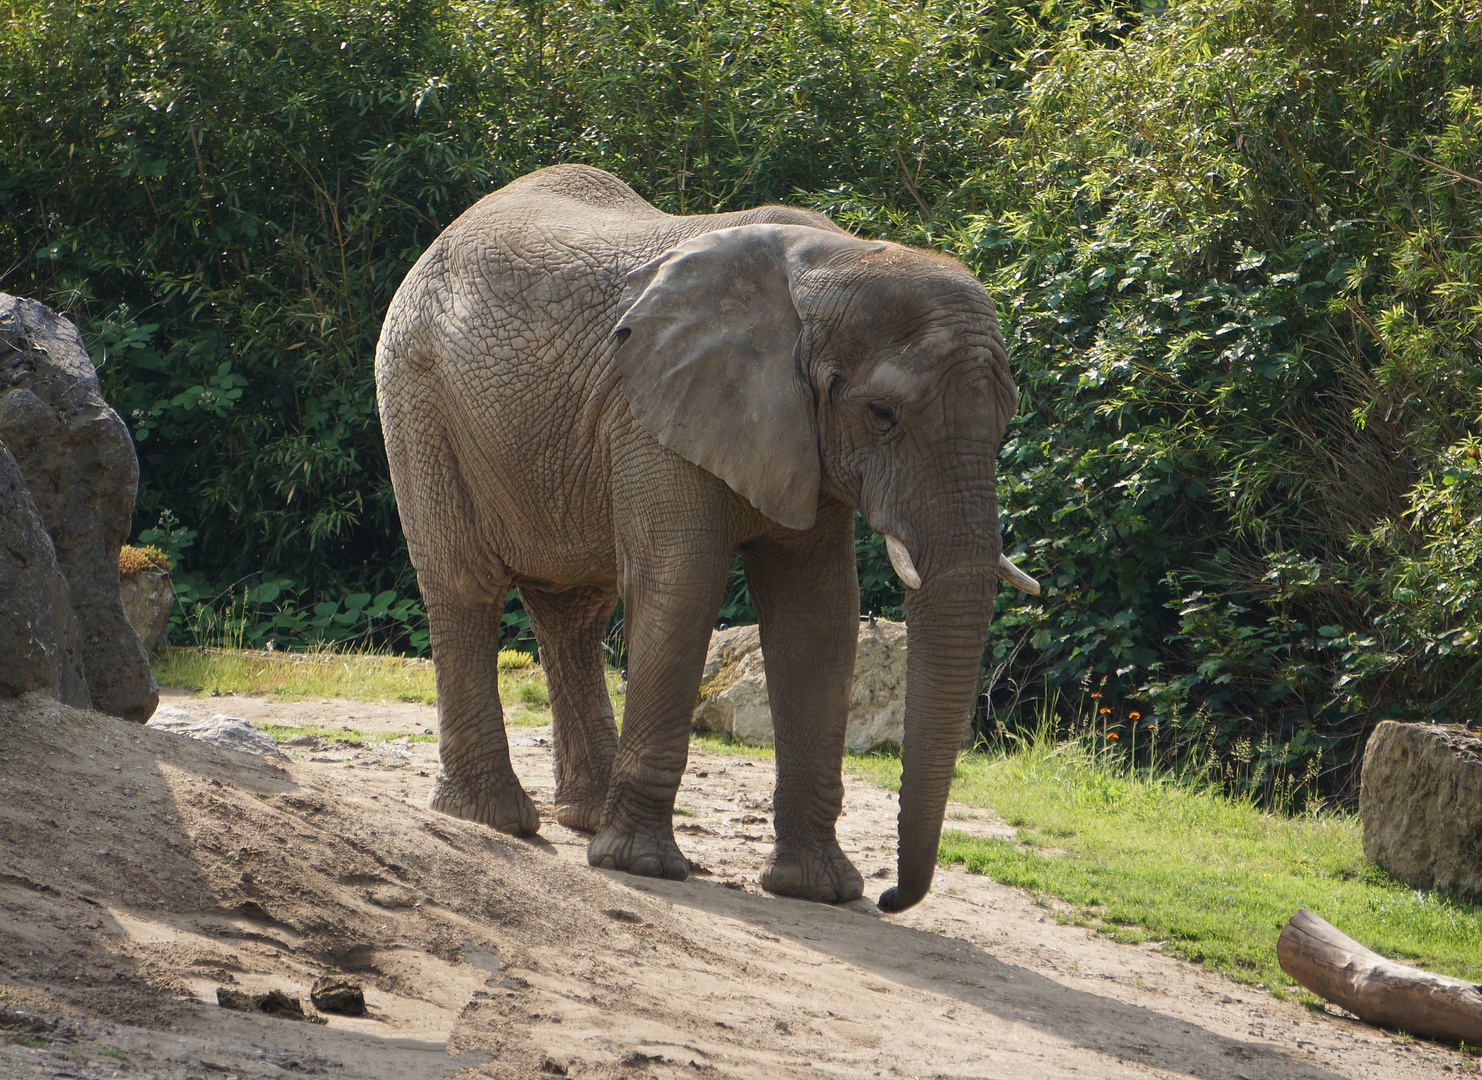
[(589, 399)]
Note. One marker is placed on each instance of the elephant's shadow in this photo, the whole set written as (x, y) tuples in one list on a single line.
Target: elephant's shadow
[(945, 965)]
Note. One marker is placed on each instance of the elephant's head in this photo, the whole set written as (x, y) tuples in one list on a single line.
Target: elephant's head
[(790, 361)]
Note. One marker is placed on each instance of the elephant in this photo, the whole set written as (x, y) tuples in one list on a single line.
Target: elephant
[(589, 399)]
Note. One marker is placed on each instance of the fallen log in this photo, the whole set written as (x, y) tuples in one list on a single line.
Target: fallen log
[(1379, 991)]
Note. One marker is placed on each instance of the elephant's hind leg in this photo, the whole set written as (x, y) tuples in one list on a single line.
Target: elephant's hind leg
[(570, 626), (463, 585), (477, 781)]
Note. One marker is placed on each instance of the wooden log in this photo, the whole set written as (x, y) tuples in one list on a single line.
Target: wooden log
[(1380, 991)]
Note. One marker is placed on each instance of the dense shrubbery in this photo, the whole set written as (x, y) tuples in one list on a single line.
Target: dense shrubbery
[(1233, 242)]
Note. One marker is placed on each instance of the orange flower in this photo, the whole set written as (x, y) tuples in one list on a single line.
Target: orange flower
[(1112, 735), (1104, 710), (1095, 693), (1134, 716), (1152, 727)]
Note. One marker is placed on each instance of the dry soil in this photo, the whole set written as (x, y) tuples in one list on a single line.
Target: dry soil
[(141, 871)]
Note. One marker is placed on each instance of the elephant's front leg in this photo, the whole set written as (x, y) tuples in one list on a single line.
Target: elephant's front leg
[(670, 604), (476, 781), (806, 594)]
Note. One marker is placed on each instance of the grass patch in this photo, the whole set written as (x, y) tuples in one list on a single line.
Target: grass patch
[(1214, 878), (716, 743), (533, 691), (290, 676), (353, 676)]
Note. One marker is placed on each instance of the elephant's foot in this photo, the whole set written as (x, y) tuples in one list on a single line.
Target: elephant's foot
[(500, 803), (821, 873), (645, 850), (580, 812)]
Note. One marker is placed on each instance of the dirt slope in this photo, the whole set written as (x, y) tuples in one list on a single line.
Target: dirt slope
[(141, 870)]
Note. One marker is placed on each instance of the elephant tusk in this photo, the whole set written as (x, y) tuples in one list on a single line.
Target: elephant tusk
[(1015, 577), (900, 558)]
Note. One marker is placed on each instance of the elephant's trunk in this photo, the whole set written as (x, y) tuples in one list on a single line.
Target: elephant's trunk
[(948, 624)]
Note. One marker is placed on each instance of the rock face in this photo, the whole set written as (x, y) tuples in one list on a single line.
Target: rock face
[(78, 463), (733, 690), (148, 598), (38, 635), (1421, 804)]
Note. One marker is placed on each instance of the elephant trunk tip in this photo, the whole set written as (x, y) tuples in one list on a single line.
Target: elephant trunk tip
[(893, 900)]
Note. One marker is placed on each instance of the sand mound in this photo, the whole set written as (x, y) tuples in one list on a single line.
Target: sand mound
[(143, 871)]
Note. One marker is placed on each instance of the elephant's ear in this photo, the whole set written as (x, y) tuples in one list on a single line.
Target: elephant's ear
[(708, 357)]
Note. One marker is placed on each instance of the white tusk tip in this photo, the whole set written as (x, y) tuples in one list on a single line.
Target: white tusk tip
[(1016, 577), (900, 558)]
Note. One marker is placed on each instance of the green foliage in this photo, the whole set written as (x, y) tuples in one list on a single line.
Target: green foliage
[(274, 614), (1244, 322), (1233, 243)]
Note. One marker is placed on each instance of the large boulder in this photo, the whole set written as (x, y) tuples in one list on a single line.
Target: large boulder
[(1420, 800), (733, 690), (78, 463), (38, 634)]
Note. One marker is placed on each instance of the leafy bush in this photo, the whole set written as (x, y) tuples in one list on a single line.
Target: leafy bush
[(1245, 323), (1233, 242)]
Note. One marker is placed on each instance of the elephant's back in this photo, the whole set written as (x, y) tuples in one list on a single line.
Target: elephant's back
[(578, 185), (560, 218), (544, 257)]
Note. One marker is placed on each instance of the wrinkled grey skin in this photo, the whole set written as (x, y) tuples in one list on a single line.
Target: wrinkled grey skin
[(587, 398)]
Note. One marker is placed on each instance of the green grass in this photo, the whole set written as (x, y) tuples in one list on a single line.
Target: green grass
[(724, 744), (1214, 878), (353, 676), (290, 676)]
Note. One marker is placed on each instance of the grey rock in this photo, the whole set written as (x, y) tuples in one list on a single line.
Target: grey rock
[(148, 598), (38, 633), (733, 689), (78, 463), (230, 732), (1420, 800)]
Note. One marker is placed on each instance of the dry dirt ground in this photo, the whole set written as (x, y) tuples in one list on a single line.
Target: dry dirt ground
[(140, 871)]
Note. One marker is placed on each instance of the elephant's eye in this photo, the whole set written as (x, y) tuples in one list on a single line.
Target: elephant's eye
[(882, 413)]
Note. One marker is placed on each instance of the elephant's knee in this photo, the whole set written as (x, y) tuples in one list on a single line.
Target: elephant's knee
[(477, 586)]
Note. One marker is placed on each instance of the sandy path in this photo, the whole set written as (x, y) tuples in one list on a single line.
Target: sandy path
[(187, 868)]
